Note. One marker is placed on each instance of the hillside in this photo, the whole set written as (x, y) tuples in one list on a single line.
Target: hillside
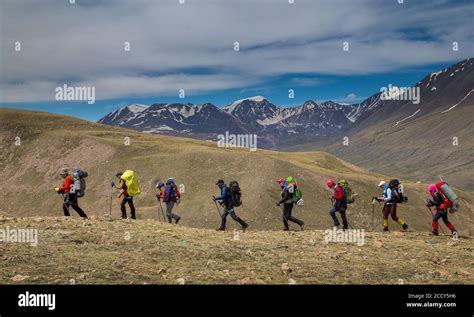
[(419, 141), (148, 252), (48, 142)]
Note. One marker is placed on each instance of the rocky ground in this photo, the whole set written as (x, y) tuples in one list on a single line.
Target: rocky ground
[(98, 251)]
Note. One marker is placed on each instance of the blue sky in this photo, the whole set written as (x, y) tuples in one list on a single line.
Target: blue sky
[(318, 88), (191, 47)]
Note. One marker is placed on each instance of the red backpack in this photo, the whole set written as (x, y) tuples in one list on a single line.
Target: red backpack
[(446, 202)]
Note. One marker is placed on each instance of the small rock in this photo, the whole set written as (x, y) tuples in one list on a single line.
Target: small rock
[(398, 234), (161, 271), (285, 268), (210, 263), (260, 282), (291, 281), (81, 276), (465, 272), (377, 244), (38, 219), (19, 278), (245, 281), (181, 281)]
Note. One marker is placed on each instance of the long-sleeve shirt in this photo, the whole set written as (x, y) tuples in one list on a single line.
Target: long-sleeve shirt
[(68, 181), (437, 201), (286, 197), (338, 195), (387, 195), (225, 195)]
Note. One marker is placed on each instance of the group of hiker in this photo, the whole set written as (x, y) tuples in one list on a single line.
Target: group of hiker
[(441, 197)]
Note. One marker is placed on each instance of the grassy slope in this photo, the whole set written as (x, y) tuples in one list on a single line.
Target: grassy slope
[(51, 141), (96, 251)]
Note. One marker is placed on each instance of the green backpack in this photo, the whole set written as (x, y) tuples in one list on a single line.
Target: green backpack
[(346, 190), (298, 194)]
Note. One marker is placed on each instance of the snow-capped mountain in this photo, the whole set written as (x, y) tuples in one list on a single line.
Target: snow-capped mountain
[(174, 119), (279, 127), (121, 115), (272, 124)]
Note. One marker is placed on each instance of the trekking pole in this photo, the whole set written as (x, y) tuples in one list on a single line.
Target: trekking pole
[(64, 203), (373, 212), (110, 206), (218, 211), (431, 212), (162, 212)]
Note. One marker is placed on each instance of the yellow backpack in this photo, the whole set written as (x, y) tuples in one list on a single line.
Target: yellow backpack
[(131, 180)]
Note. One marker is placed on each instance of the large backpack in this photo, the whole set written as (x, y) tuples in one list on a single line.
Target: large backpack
[(397, 191), (131, 180), (448, 195), (295, 190), (235, 194), (346, 191), (79, 179)]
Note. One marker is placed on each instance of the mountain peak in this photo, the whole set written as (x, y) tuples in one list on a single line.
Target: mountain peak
[(135, 108)]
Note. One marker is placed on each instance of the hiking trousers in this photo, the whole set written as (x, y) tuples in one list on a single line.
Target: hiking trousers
[(287, 208), (443, 214), (71, 200), (342, 211), (234, 216), (169, 214), (390, 209), (124, 201)]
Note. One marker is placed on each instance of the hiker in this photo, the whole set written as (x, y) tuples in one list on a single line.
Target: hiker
[(171, 197), (441, 210), (338, 204), (70, 197), (390, 206), (288, 190), (225, 200), (161, 194), (126, 198)]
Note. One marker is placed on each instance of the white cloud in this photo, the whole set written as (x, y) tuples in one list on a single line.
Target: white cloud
[(83, 43), (351, 96)]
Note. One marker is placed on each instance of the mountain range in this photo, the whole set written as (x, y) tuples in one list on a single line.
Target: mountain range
[(390, 135)]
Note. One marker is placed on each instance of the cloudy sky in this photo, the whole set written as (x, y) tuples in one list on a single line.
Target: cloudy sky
[(190, 46)]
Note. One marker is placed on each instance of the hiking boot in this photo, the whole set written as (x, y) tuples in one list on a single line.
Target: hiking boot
[(177, 220), (302, 226), (385, 228), (220, 229), (286, 229), (405, 226), (454, 233), (244, 227), (435, 233), (133, 217)]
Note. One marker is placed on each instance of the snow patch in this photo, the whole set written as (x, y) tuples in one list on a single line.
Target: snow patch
[(160, 128), (404, 119), (134, 108), (230, 108), (452, 107)]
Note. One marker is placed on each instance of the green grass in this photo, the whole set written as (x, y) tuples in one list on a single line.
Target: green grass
[(149, 252)]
